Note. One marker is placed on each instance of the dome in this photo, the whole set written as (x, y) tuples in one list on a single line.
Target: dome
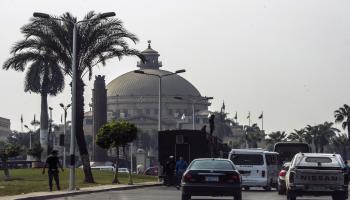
[(132, 83)]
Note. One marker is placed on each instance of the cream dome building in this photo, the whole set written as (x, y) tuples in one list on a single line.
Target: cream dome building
[(134, 97)]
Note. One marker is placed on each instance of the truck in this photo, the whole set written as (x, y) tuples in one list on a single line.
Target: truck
[(190, 144), (317, 174)]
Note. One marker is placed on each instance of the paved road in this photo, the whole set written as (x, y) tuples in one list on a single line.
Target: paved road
[(170, 193)]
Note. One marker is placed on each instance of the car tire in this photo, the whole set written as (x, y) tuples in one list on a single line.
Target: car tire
[(238, 196), (185, 196), (267, 188), (246, 188), (339, 196), (280, 190), (291, 196)]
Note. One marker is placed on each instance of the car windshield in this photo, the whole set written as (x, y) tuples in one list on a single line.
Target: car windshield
[(212, 165), (247, 159)]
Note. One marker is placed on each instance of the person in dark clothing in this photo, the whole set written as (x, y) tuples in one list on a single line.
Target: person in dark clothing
[(170, 170), (52, 163), (181, 166)]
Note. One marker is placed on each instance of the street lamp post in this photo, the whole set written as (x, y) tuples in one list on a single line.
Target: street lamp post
[(30, 136), (193, 102), (160, 90), (74, 86), (65, 108)]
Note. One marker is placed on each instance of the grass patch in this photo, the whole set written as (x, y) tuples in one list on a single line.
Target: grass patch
[(32, 180)]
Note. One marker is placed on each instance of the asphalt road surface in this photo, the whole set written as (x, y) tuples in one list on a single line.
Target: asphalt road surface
[(171, 193)]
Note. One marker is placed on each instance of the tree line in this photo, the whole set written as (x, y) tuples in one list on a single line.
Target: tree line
[(320, 136)]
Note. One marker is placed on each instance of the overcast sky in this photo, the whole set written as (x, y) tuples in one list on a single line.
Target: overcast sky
[(288, 58)]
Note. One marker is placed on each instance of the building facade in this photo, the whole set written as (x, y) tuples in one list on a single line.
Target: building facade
[(5, 128), (134, 97)]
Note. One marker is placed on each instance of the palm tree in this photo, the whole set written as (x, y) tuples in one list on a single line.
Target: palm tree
[(342, 115), (339, 142), (44, 76), (297, 135), (278, 136), (325, 132), (254, 135), (98, 40)]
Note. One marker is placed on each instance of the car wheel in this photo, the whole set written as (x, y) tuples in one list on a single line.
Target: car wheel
[(339, 196), (280, 190), (246, 188), (290, 196), (238, 196), (267, 188), (185, 196)]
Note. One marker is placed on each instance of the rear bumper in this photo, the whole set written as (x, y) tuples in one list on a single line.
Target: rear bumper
[(211, 189), (255, 182), (300, 190)]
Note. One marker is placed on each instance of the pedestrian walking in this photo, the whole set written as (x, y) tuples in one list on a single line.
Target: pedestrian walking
[(52, 163), (181, 166), (170, 170)]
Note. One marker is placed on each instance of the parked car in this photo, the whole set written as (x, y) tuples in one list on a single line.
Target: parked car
[(151, 171), (317, 174), (123, 170), (211, 177), (281, 181)]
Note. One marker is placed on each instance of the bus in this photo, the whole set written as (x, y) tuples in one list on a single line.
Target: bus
[(287, 150)]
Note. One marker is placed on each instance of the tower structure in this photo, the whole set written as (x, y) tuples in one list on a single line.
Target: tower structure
[(99, 110)]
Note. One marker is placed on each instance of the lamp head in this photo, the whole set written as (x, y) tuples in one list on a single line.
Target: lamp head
[(180, 71), (41, 15), (107, 14), (139, 72)]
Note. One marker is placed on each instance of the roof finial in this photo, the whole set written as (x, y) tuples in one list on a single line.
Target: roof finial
[(149, 44)]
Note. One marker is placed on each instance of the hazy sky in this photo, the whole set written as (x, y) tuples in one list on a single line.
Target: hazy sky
[(288, 58)]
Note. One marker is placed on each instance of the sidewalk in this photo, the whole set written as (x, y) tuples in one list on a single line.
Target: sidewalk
[(87, 190)]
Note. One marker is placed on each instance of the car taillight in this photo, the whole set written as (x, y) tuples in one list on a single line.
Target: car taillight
[(291, 177), (233, 178), (282, 173), (263, 173), (187, 177)]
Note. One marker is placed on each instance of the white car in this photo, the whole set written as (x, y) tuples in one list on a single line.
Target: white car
[(123, 170)]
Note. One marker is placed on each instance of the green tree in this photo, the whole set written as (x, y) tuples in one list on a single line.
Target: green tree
[(98, 40), (325, 132), (36, 151), (43, 74), (297, 135), (254, 135), (277, 136), (342, 115), (116, 134), (7, 151), (339, 143)]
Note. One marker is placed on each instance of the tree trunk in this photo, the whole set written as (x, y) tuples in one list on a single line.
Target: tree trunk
[(347, 147), (6, 170), (130, 182), (79, 132), (44, 126), (115, 179)]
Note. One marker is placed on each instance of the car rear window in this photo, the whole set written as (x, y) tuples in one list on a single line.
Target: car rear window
[(212, 164), (318, 159), (313, 161), (247, 159)]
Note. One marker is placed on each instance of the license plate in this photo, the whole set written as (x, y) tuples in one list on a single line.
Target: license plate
[(211, 178)]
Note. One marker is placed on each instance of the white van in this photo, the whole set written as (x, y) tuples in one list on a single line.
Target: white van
[(258, 168)]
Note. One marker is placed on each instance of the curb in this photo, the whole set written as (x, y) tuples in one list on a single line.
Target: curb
[(124, 187)]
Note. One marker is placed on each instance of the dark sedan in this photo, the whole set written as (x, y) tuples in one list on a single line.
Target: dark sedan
[(211, 177)]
